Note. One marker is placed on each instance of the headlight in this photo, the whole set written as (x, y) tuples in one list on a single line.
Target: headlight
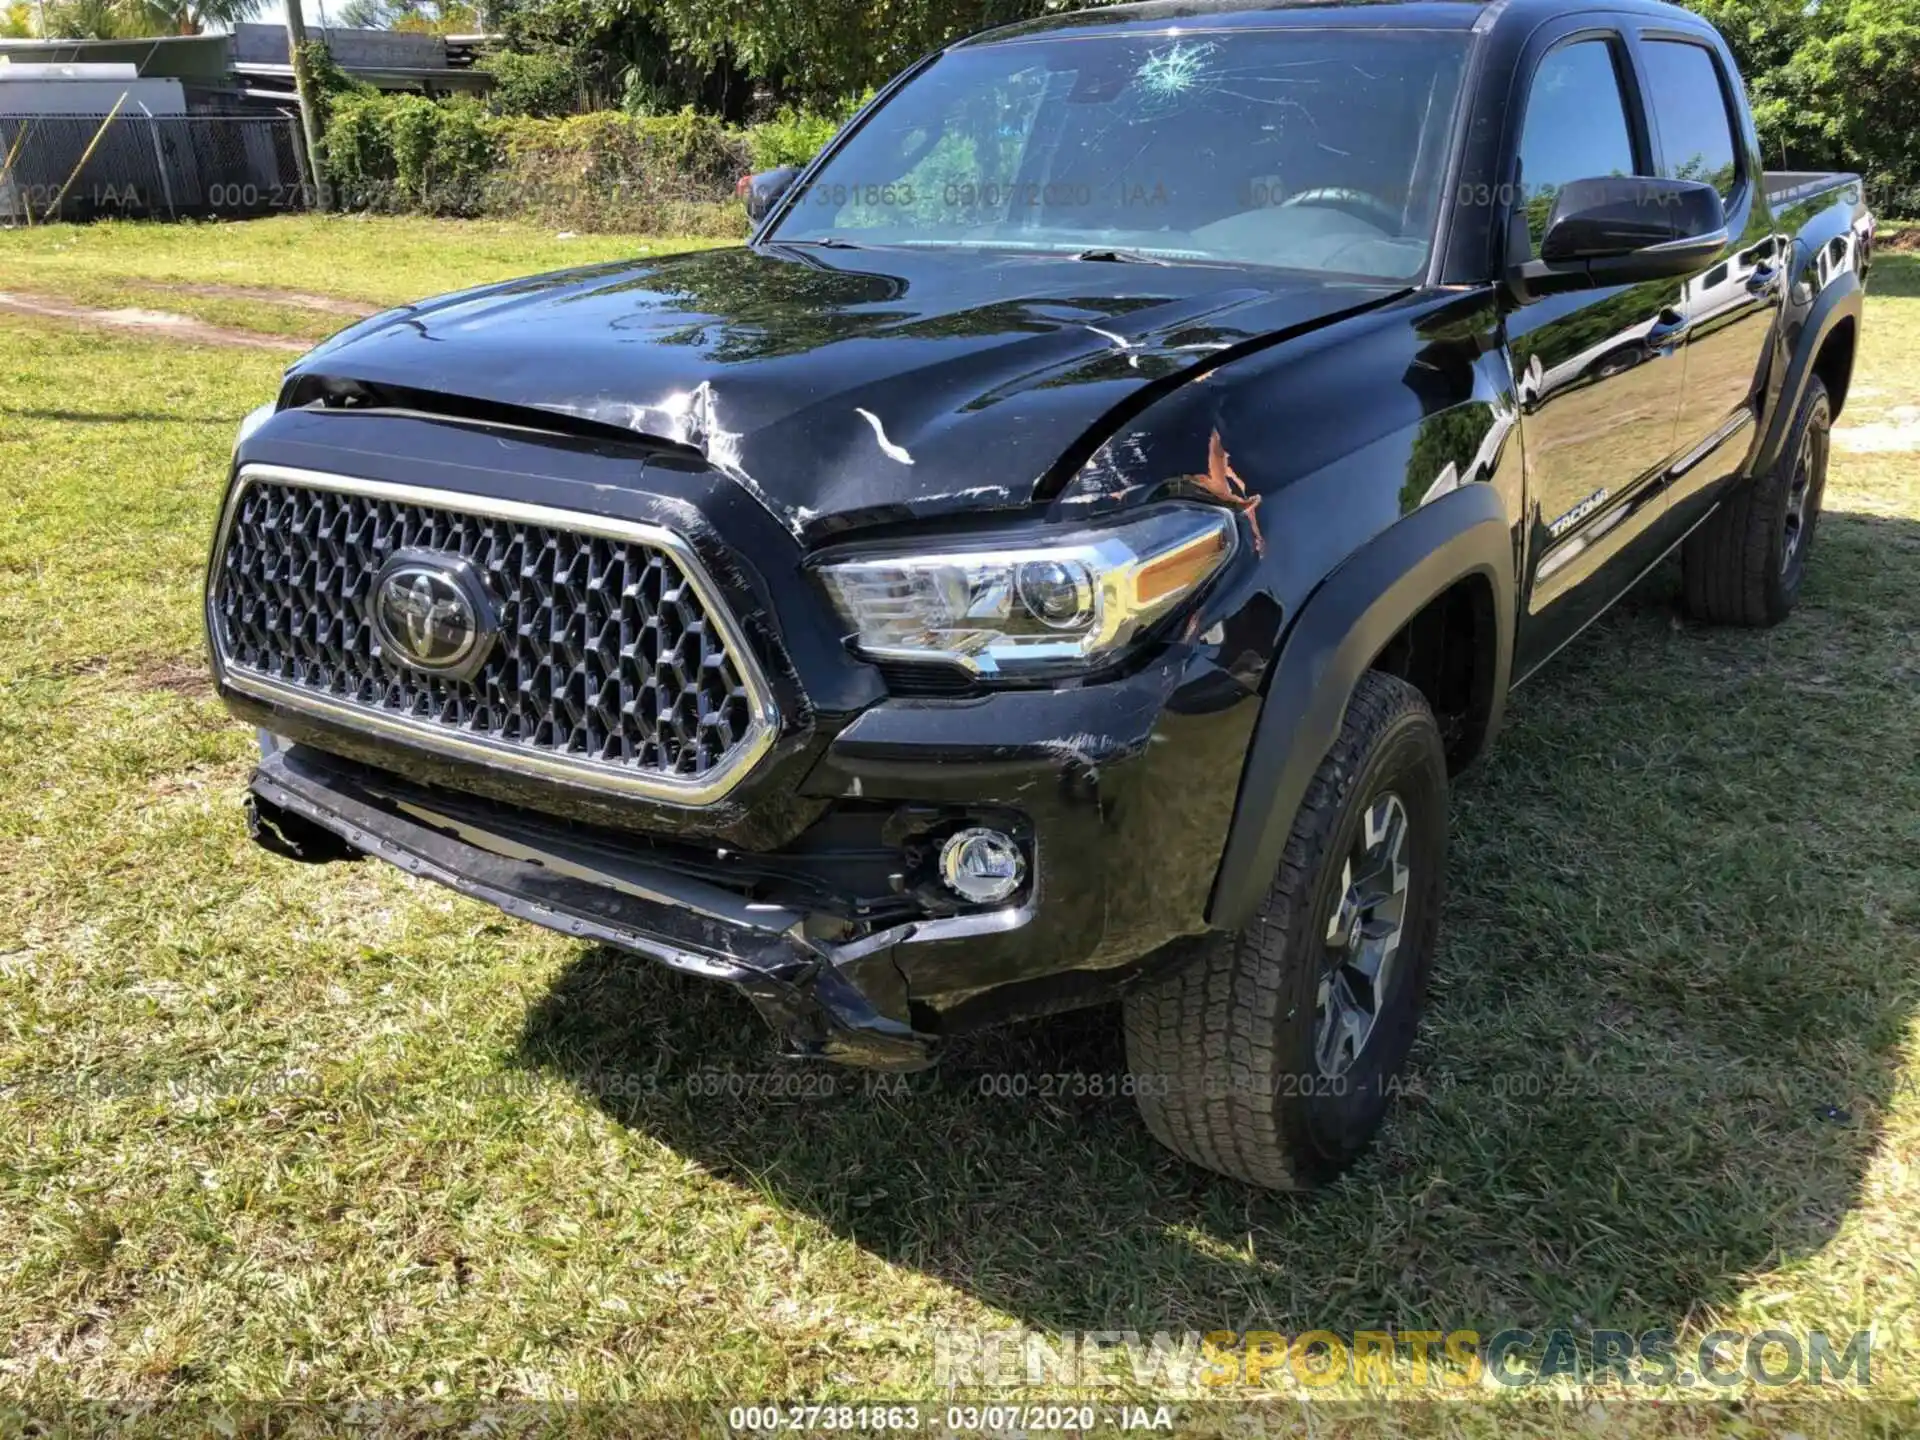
[(252, 421), (1026, 603)]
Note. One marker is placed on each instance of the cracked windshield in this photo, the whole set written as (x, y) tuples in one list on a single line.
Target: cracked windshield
[(1317, 150)]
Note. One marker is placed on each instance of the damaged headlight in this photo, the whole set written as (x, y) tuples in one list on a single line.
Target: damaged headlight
[(1022, 604)]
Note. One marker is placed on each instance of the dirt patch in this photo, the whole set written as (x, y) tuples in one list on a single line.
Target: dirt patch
[(179, 676), (266, 295), (194, 781), (1896, 432), (1900, 242), (153, 322), (62, 670)]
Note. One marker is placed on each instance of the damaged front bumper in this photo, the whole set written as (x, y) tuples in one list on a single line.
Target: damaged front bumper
[(1120, 793), (824, 1000)]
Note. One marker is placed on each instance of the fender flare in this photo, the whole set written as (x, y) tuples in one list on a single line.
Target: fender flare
[(1843, 299), (1335, 638)]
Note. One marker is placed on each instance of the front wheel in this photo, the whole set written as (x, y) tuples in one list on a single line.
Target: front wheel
[(1270, 1055)]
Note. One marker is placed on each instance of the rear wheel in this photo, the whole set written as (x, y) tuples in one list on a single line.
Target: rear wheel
[(1270, 1055), (1745, 565)]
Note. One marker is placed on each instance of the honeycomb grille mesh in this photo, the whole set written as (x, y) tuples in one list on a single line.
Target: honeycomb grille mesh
[(606, 654)]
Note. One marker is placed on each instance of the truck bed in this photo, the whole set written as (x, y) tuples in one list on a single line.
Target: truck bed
[(1795, 187)]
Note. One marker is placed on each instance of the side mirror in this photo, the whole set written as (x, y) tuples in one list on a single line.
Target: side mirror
[(1621, 230), (764, 190)]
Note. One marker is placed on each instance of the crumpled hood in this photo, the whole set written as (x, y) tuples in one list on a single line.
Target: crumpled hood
[(838, 386)]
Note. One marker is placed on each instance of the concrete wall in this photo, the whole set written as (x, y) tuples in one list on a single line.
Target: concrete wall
[(351, 49)]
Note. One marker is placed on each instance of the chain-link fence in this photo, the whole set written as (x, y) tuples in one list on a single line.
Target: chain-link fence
[(68, 167)]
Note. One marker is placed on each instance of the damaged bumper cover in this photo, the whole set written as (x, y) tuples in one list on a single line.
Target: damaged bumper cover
[(1122, 792), (824, 1001)]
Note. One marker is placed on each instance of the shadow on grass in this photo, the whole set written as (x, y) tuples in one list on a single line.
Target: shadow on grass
[(1677, 969), (115, 417)]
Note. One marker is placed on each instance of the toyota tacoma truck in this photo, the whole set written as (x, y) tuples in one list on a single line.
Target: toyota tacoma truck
[(1065, 554)]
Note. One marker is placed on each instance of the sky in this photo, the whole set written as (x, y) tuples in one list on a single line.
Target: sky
[(274, 12)]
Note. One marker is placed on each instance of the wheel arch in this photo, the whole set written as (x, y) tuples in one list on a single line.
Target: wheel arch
[(1448, 651), (1824, 346), (1448, 570), (1833, 362)]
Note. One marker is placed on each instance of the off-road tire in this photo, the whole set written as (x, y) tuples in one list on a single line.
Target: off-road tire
[(1736, 568), (1220, 1045)]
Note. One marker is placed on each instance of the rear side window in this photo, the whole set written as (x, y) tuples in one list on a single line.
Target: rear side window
[(1690, 105), (1575, 127)]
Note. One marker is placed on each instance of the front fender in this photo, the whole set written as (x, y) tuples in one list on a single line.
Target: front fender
[(1335, 638)]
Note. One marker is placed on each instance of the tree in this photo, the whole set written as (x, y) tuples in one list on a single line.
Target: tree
[(537, 82), (427, 17), (133, 19), (1835, 84), (1861, 71), (624, 55), (822, 51)]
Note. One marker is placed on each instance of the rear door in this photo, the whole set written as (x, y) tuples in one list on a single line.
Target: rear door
[(1731, 304), (1597, 371)]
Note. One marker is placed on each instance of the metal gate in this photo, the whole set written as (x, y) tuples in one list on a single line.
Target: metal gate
[(82, 167)]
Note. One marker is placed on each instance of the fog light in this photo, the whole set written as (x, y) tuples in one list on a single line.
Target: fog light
[(982, 865)]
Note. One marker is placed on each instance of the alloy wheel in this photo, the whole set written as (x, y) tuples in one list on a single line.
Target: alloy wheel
[(1363, 937), (1800, 492)]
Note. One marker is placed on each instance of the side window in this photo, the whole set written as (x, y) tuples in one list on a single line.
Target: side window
[(1575, 128), (1696, 133)]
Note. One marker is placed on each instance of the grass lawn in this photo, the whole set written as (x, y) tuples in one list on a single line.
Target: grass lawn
[(194, 267), (276, 1132)]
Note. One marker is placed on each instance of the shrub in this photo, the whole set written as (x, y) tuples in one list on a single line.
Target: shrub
[(600, 171), (413, 128), (608, 171), (404, 152), (359, 151), (542, 83), (461, 161), (329, 81), (792, 137)]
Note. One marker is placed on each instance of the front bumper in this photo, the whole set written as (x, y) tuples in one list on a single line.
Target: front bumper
[(1122, 790), (820, 998)]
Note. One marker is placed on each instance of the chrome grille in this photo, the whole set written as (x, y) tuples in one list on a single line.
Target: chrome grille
[(616, 665)]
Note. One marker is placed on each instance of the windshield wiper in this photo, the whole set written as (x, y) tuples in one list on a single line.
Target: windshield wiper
[(1122, 257), (825, 242)]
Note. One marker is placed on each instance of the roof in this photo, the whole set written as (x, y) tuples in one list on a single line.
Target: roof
[(1152, 15), (1246, 14), (186, 57)]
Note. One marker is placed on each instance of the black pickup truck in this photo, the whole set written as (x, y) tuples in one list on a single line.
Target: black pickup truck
[(1065, 554)]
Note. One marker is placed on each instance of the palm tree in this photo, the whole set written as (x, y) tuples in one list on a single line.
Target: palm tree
[(134, 19)]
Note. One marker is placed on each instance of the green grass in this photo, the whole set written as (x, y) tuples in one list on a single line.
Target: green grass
[(376, 261), (303, 1134)]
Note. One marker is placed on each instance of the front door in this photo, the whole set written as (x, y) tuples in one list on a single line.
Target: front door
[(1597, 371), (1730, 305)]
